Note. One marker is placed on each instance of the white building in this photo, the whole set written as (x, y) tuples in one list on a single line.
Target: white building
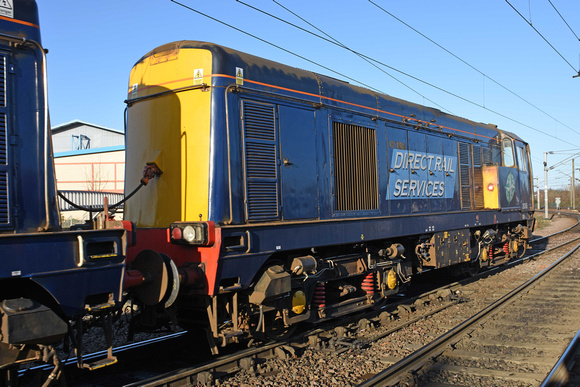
[(78, 135), (88, 157)]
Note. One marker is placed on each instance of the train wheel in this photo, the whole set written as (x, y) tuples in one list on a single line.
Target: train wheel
[(276, 330), (274, 327), (520, 248)]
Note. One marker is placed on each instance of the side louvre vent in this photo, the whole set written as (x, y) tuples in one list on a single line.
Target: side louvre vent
[(355, 168), (3, 140), (2, 80), (259, 126), (478, 177), (465, 175), (4, 213), (5, 221)]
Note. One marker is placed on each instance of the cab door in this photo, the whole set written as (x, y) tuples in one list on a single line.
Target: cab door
[(525, 173), (509, 180)]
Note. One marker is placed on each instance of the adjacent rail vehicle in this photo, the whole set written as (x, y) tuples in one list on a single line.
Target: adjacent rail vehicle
[(52, 282), (284, 196)]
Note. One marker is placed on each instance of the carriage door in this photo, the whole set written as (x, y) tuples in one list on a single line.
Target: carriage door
[(523, 166), (298, 172)]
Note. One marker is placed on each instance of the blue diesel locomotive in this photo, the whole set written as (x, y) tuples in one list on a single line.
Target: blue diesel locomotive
[(52, 282), (285, 196)]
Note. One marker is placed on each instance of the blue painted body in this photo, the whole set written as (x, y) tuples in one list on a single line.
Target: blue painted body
[(37, 259), (45, 264), (23, 168), (418, 166)]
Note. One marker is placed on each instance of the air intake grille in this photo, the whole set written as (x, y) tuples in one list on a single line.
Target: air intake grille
[(465, 174), (4, 213), (2, 80), (259, 123), (478, 177), (3, 140), (3, 134), (355, 168), (4, 175)]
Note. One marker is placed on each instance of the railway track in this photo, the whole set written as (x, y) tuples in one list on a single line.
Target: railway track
[(356, 335), (516, 340)]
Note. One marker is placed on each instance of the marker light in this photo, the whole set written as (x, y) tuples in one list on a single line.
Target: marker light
[(490, 187), (192, 233), (176, 233)]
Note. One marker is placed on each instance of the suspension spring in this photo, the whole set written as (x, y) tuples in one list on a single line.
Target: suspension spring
[(320, 295), (506, 248), (368, 284)]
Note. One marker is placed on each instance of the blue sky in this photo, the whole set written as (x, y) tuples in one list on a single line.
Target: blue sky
[(94, 44)]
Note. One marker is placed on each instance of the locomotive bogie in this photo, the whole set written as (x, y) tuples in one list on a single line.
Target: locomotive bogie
[(320, 198)]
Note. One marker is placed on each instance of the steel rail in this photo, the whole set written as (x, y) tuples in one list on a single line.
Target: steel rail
[(576, 216), (100, 354), (230, 360), (559, 376), (395, 372), (234, 361), (255, 352)]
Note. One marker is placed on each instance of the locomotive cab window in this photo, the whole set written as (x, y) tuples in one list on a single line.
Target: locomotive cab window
[(508, 153), (494, 154), (522, 161)]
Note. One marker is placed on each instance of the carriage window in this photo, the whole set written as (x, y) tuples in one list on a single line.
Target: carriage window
[(522, 159), (508, 153)]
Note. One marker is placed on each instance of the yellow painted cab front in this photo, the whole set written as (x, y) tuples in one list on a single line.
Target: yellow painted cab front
[(168, 123)]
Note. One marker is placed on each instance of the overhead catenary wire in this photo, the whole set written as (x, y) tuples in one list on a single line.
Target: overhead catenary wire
[(362, 56), (542, 36), (272, 44), (359, 55), (564, 20), (372, 59), (369, 59), (561, 162), (472, 67)]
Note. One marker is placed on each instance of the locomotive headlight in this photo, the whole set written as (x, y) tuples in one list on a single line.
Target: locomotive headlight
[(490, 187), (189, 233), (192, 233)]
